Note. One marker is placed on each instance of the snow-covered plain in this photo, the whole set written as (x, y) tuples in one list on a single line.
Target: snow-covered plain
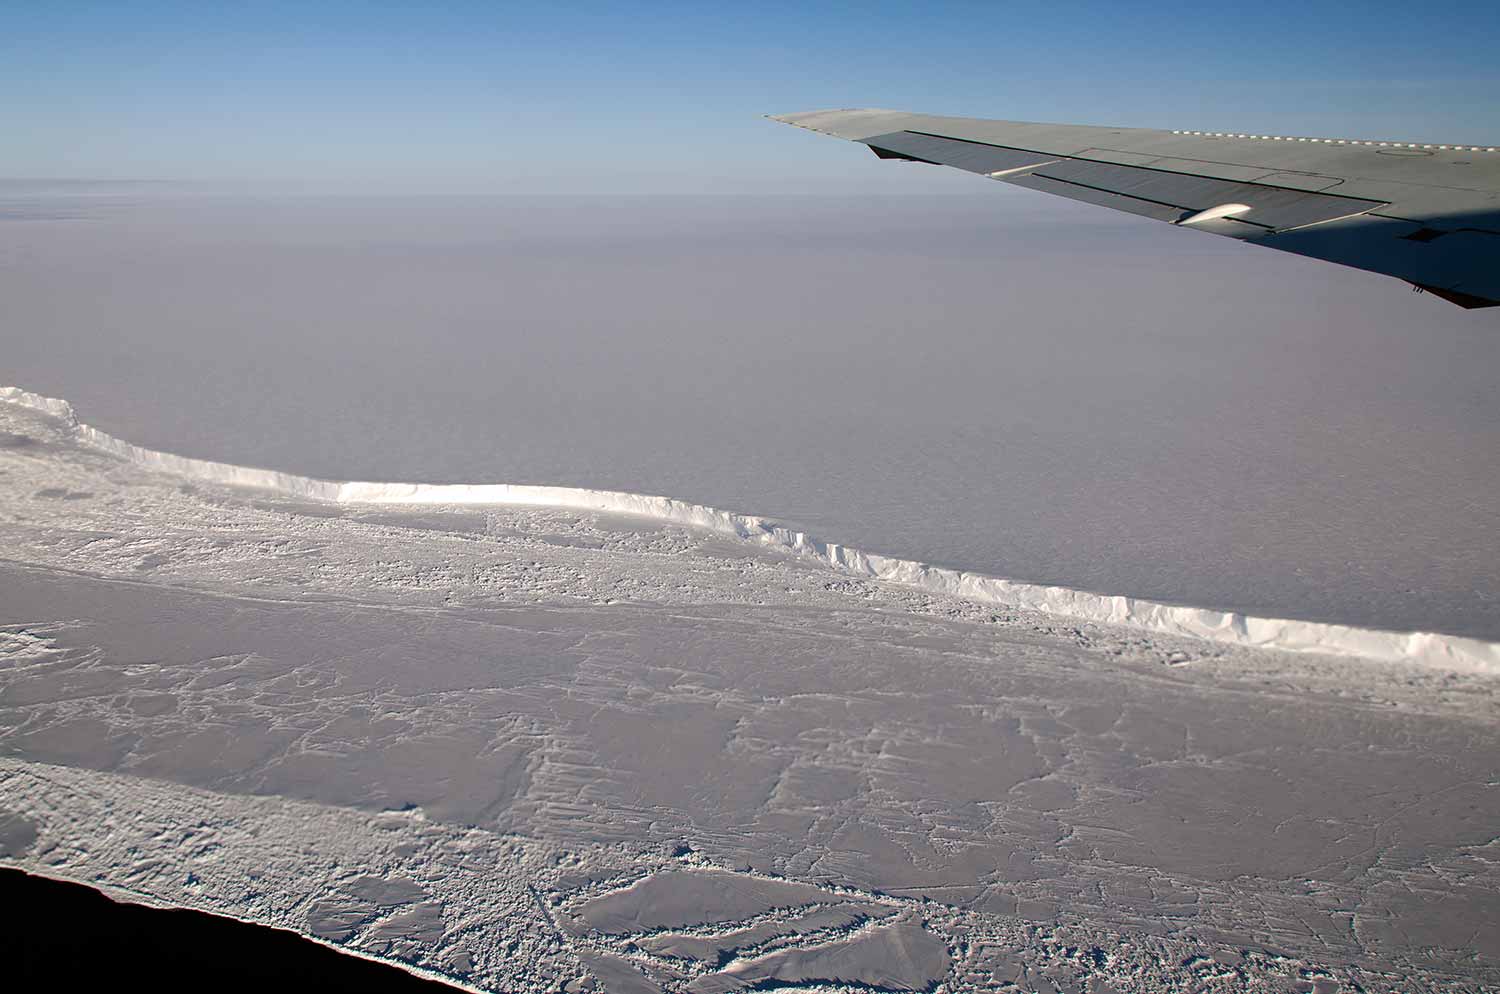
[(530, 746), (992, 382)]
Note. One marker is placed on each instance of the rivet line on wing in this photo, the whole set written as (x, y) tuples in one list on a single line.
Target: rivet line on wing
[(1339, 141)]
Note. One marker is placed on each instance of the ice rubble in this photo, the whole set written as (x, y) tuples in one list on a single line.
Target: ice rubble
[(1232, 627)]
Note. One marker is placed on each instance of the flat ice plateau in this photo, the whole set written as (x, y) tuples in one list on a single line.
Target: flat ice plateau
[(533, 739)]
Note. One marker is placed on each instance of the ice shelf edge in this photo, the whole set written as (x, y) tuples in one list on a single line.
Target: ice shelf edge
[(1231, 627)]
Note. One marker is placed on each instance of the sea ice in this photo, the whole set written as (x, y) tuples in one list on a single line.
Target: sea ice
[(474, 750)]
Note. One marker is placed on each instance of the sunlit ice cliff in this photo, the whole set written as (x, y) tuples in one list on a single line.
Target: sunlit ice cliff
[(1232, 627)]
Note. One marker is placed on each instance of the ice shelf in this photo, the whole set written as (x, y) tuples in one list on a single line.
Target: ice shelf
[(1233, 627)]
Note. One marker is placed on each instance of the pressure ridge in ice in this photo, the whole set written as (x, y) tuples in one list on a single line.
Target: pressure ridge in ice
[(1207, 623)]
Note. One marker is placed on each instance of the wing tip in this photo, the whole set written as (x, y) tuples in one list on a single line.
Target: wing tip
[(851, 123)]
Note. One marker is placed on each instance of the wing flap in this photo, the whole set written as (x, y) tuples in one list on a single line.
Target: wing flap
[(1161, 194), (1104, 198), (974, 157), (1271, 208)]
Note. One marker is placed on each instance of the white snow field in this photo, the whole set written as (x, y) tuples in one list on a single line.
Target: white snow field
[(540, 739)]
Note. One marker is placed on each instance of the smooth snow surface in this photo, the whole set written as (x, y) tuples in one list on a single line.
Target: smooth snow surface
[(1220, 626)]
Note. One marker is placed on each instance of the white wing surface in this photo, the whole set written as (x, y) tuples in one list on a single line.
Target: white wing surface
[(1427, 214)]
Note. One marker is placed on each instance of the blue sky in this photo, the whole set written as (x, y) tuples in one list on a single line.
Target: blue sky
[(665, 97)]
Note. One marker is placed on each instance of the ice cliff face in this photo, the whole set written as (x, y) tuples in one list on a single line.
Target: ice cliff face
[(1221, 626)]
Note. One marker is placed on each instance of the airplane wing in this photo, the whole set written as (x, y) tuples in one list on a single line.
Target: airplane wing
[(1427, 214)]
